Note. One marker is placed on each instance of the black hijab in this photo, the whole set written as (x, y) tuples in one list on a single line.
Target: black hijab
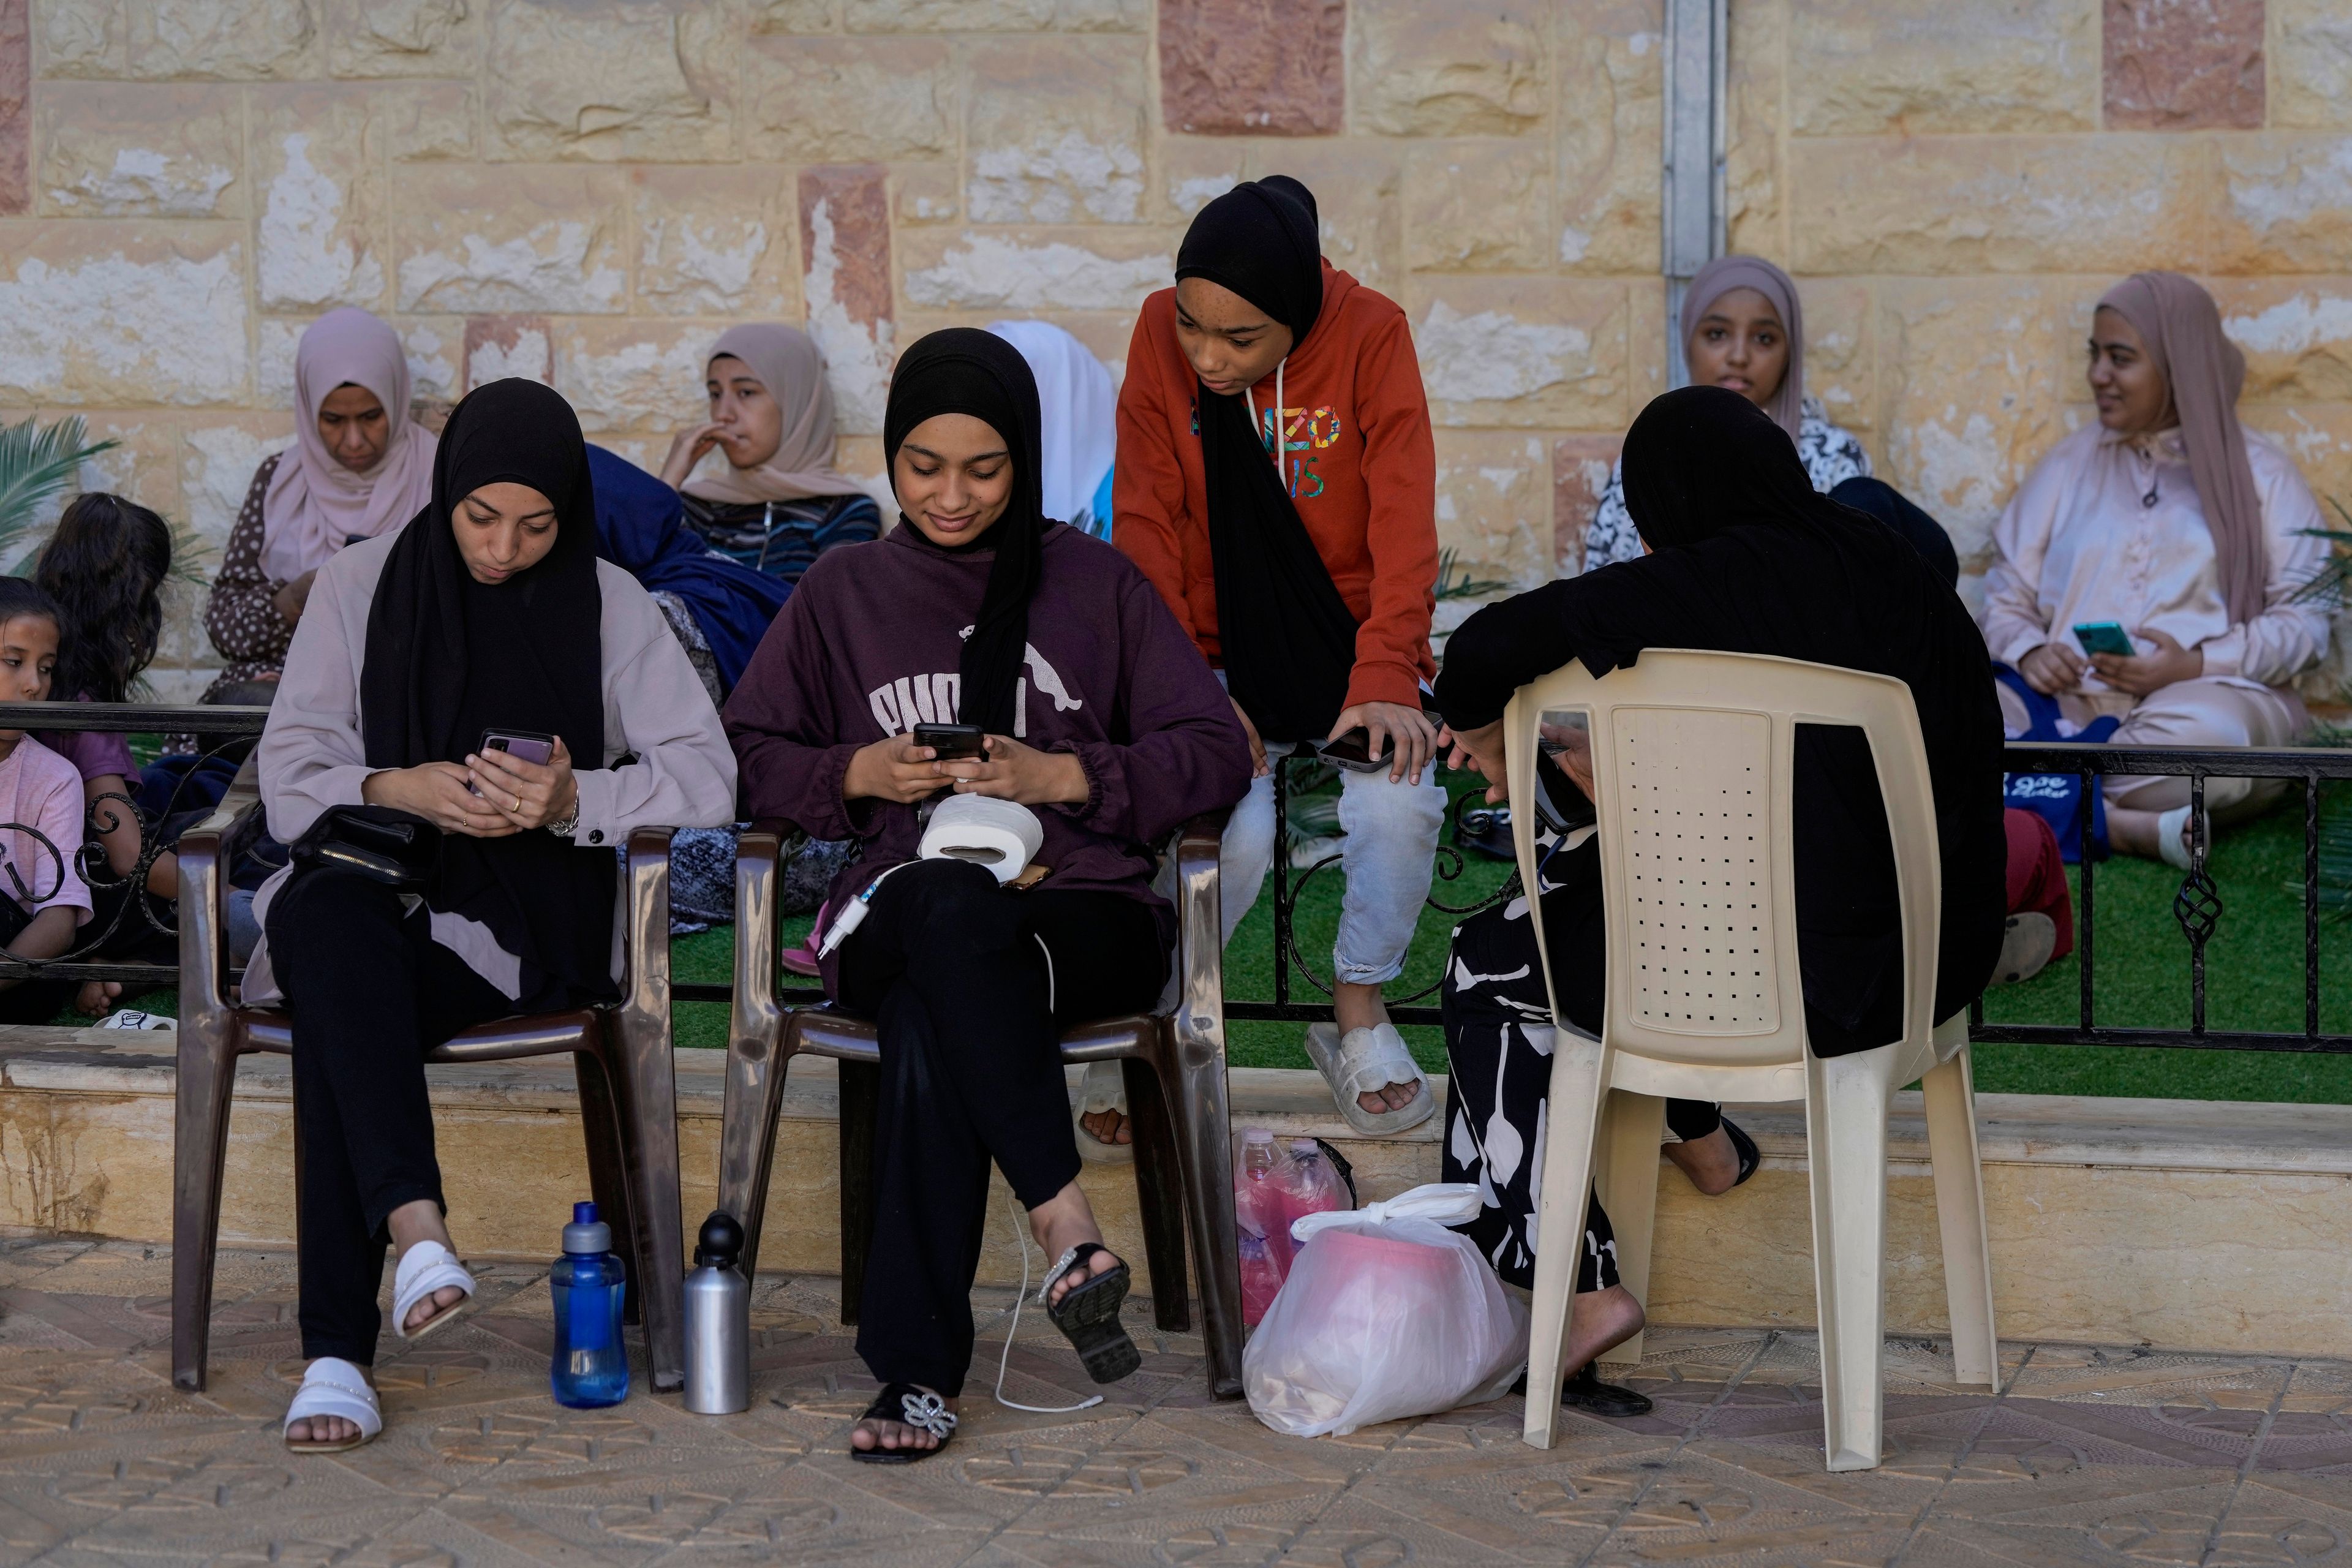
[(1748, 559), (448, 657), (1286, 638), (962, 370)]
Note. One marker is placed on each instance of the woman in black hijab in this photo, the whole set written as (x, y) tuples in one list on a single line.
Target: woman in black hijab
[(1097, 716), (1743, 557), (487, 614)]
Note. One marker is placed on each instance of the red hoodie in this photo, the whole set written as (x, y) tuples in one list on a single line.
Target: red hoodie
[(1357, 452)]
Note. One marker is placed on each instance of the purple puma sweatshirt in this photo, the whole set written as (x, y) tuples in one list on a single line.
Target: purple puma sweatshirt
[(867, 647)]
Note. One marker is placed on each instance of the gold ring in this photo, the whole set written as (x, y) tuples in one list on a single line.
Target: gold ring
[(518, 805)]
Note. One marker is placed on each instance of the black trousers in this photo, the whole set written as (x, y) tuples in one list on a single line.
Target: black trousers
[(971, 986), (370, 991)]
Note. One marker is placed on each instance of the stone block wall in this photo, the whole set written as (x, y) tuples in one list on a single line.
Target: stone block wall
[(589, 190)]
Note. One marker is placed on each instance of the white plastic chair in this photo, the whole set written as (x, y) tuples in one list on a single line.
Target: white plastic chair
[(1693, 758)]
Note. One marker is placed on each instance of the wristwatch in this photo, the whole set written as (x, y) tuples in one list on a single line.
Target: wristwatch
[(569, 823)]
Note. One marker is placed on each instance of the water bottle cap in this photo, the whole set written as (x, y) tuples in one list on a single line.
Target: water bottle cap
[(1257, 1135), (721, 1243), (587, 1234), (1306, 1148)]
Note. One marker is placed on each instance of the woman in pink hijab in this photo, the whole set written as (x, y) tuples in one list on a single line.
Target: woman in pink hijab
[(359, 466), (778, 503), (2167, 525)]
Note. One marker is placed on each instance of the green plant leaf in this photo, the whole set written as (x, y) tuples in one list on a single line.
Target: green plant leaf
[(38, 462)]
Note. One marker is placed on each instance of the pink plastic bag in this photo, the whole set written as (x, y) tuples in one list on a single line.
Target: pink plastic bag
[(1386, 1314)]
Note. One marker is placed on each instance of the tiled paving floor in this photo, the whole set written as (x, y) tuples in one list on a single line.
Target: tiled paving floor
[(2103, 1457)]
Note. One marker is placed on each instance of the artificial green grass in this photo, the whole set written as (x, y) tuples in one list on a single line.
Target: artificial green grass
[(2253, 974)]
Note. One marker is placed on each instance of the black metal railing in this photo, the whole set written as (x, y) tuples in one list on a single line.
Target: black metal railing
[(2197, 907), (131, 914)]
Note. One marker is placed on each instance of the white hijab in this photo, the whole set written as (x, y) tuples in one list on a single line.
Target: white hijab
[(314, 505), (1080, 409)]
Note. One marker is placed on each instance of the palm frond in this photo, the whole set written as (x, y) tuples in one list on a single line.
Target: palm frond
[(1465, 586), (2332, 585), (188, 552), (38, 462)]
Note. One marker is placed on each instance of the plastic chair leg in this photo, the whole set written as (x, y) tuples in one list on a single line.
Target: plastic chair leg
[(608, 1172), (207, 1079), (1961, 1217), (1846, 1135), (649, 1113), (1158, 1194), (861, 1094), (1625, 1176), (1580, 1069), (1203, 1125), (747, 1139)]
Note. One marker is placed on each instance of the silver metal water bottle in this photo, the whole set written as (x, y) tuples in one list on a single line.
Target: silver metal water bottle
[(718, 1321)]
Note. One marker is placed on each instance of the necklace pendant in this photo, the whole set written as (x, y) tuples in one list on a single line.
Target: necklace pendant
[(2148, 501)]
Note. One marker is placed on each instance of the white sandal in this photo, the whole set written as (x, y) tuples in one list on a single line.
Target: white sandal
[(2170, 828), (334, 1387), (1366, 1061), (424, 1268), (1104, 1088)]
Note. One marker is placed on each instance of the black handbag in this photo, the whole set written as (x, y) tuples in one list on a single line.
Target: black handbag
[(394, 847)]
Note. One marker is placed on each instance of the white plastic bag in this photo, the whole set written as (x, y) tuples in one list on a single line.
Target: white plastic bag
[(1386, 1314)]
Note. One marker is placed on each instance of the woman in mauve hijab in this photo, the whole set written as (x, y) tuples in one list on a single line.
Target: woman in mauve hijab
[(2190, 533)]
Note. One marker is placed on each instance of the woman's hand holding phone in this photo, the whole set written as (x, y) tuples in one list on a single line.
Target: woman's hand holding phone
[(525, 794), (2053, 668), (1480, 749), (1402, 734), (1015, 772), (442, 793), (893, 769)]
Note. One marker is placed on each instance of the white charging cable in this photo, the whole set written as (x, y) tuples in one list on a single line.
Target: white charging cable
[(1006, 1359)]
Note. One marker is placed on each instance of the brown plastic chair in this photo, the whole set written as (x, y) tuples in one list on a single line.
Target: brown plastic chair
[(1173, 1062), (628, 1095)]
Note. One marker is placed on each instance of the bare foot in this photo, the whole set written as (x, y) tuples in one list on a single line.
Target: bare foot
[(1359, 1007), (891, 1435), (1599, 1320), (1108, 1127), (1062, 1222), (1711, 1163), (410, 1224), (326, 1428), (97, 997)]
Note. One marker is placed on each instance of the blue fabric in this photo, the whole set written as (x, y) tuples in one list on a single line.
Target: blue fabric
[(639, 528), (1097, 519), (2057, 798)]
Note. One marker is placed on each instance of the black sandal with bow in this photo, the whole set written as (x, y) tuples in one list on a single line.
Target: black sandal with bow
[(1087, 1315), (908, 1407)]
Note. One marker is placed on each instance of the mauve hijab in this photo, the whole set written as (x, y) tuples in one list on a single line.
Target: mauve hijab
[(2182, 330), (788, 363), (1719, 278), (314, 505)]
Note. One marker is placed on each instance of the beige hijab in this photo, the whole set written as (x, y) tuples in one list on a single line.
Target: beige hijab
[(314, 505), (2181, 327), (1719, 278), (789, 364)]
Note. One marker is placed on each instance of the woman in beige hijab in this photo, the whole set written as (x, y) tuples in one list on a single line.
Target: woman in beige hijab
[(778, 503), (2170, 521)]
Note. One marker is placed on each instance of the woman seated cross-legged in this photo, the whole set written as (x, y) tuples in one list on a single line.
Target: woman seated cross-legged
[(1102, 720), (2178, 540), (1744, 557), (488, 611)]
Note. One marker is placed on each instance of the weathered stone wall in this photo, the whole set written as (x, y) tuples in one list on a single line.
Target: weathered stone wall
[(588, 190)]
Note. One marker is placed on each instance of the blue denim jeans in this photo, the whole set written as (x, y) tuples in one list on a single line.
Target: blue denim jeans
[(1391, 840)]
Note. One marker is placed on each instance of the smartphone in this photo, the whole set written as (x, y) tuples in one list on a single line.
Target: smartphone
[(1353, 752), (525, 745), (953, 742), (2105, 636)]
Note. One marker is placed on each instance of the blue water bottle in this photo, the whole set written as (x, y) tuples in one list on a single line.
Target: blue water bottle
[(590, 1368)]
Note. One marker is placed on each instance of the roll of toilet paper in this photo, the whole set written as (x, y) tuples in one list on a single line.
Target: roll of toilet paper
[(1002, 836)]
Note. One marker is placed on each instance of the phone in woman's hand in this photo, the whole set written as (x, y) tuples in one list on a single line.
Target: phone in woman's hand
[(953, 742), (524, 746), (1353, 751)]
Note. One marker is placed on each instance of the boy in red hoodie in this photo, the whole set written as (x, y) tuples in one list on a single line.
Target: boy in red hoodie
[(1276, 481)]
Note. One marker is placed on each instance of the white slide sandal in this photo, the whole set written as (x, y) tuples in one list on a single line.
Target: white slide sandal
[(424, 1268), (1104, 1088), (334, 1387), (1369, 1059)]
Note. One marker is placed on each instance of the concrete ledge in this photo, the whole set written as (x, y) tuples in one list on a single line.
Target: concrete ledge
[(2179, 1224)]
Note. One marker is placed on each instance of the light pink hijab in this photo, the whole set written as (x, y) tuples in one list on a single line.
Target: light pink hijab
[(314, 505), (2181, 329), (1719, 278), (788, 363)]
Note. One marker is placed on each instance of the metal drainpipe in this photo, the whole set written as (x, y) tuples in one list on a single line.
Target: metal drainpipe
[(1697, 42)]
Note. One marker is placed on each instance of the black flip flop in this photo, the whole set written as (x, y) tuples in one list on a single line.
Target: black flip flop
[(1750, 1157), (908, 1407), (1586, 1392), (1087, 1316)]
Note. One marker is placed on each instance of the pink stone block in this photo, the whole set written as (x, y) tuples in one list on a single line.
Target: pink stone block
[(2184, 65), (16, 107), (1253, 68), (497, 347), (852, 244), (1579, 472)]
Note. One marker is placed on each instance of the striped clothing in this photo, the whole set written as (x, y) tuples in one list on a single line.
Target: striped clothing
[(782, 538)]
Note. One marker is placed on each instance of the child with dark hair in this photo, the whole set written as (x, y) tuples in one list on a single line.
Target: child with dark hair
[(46, 901), (103, 571)]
